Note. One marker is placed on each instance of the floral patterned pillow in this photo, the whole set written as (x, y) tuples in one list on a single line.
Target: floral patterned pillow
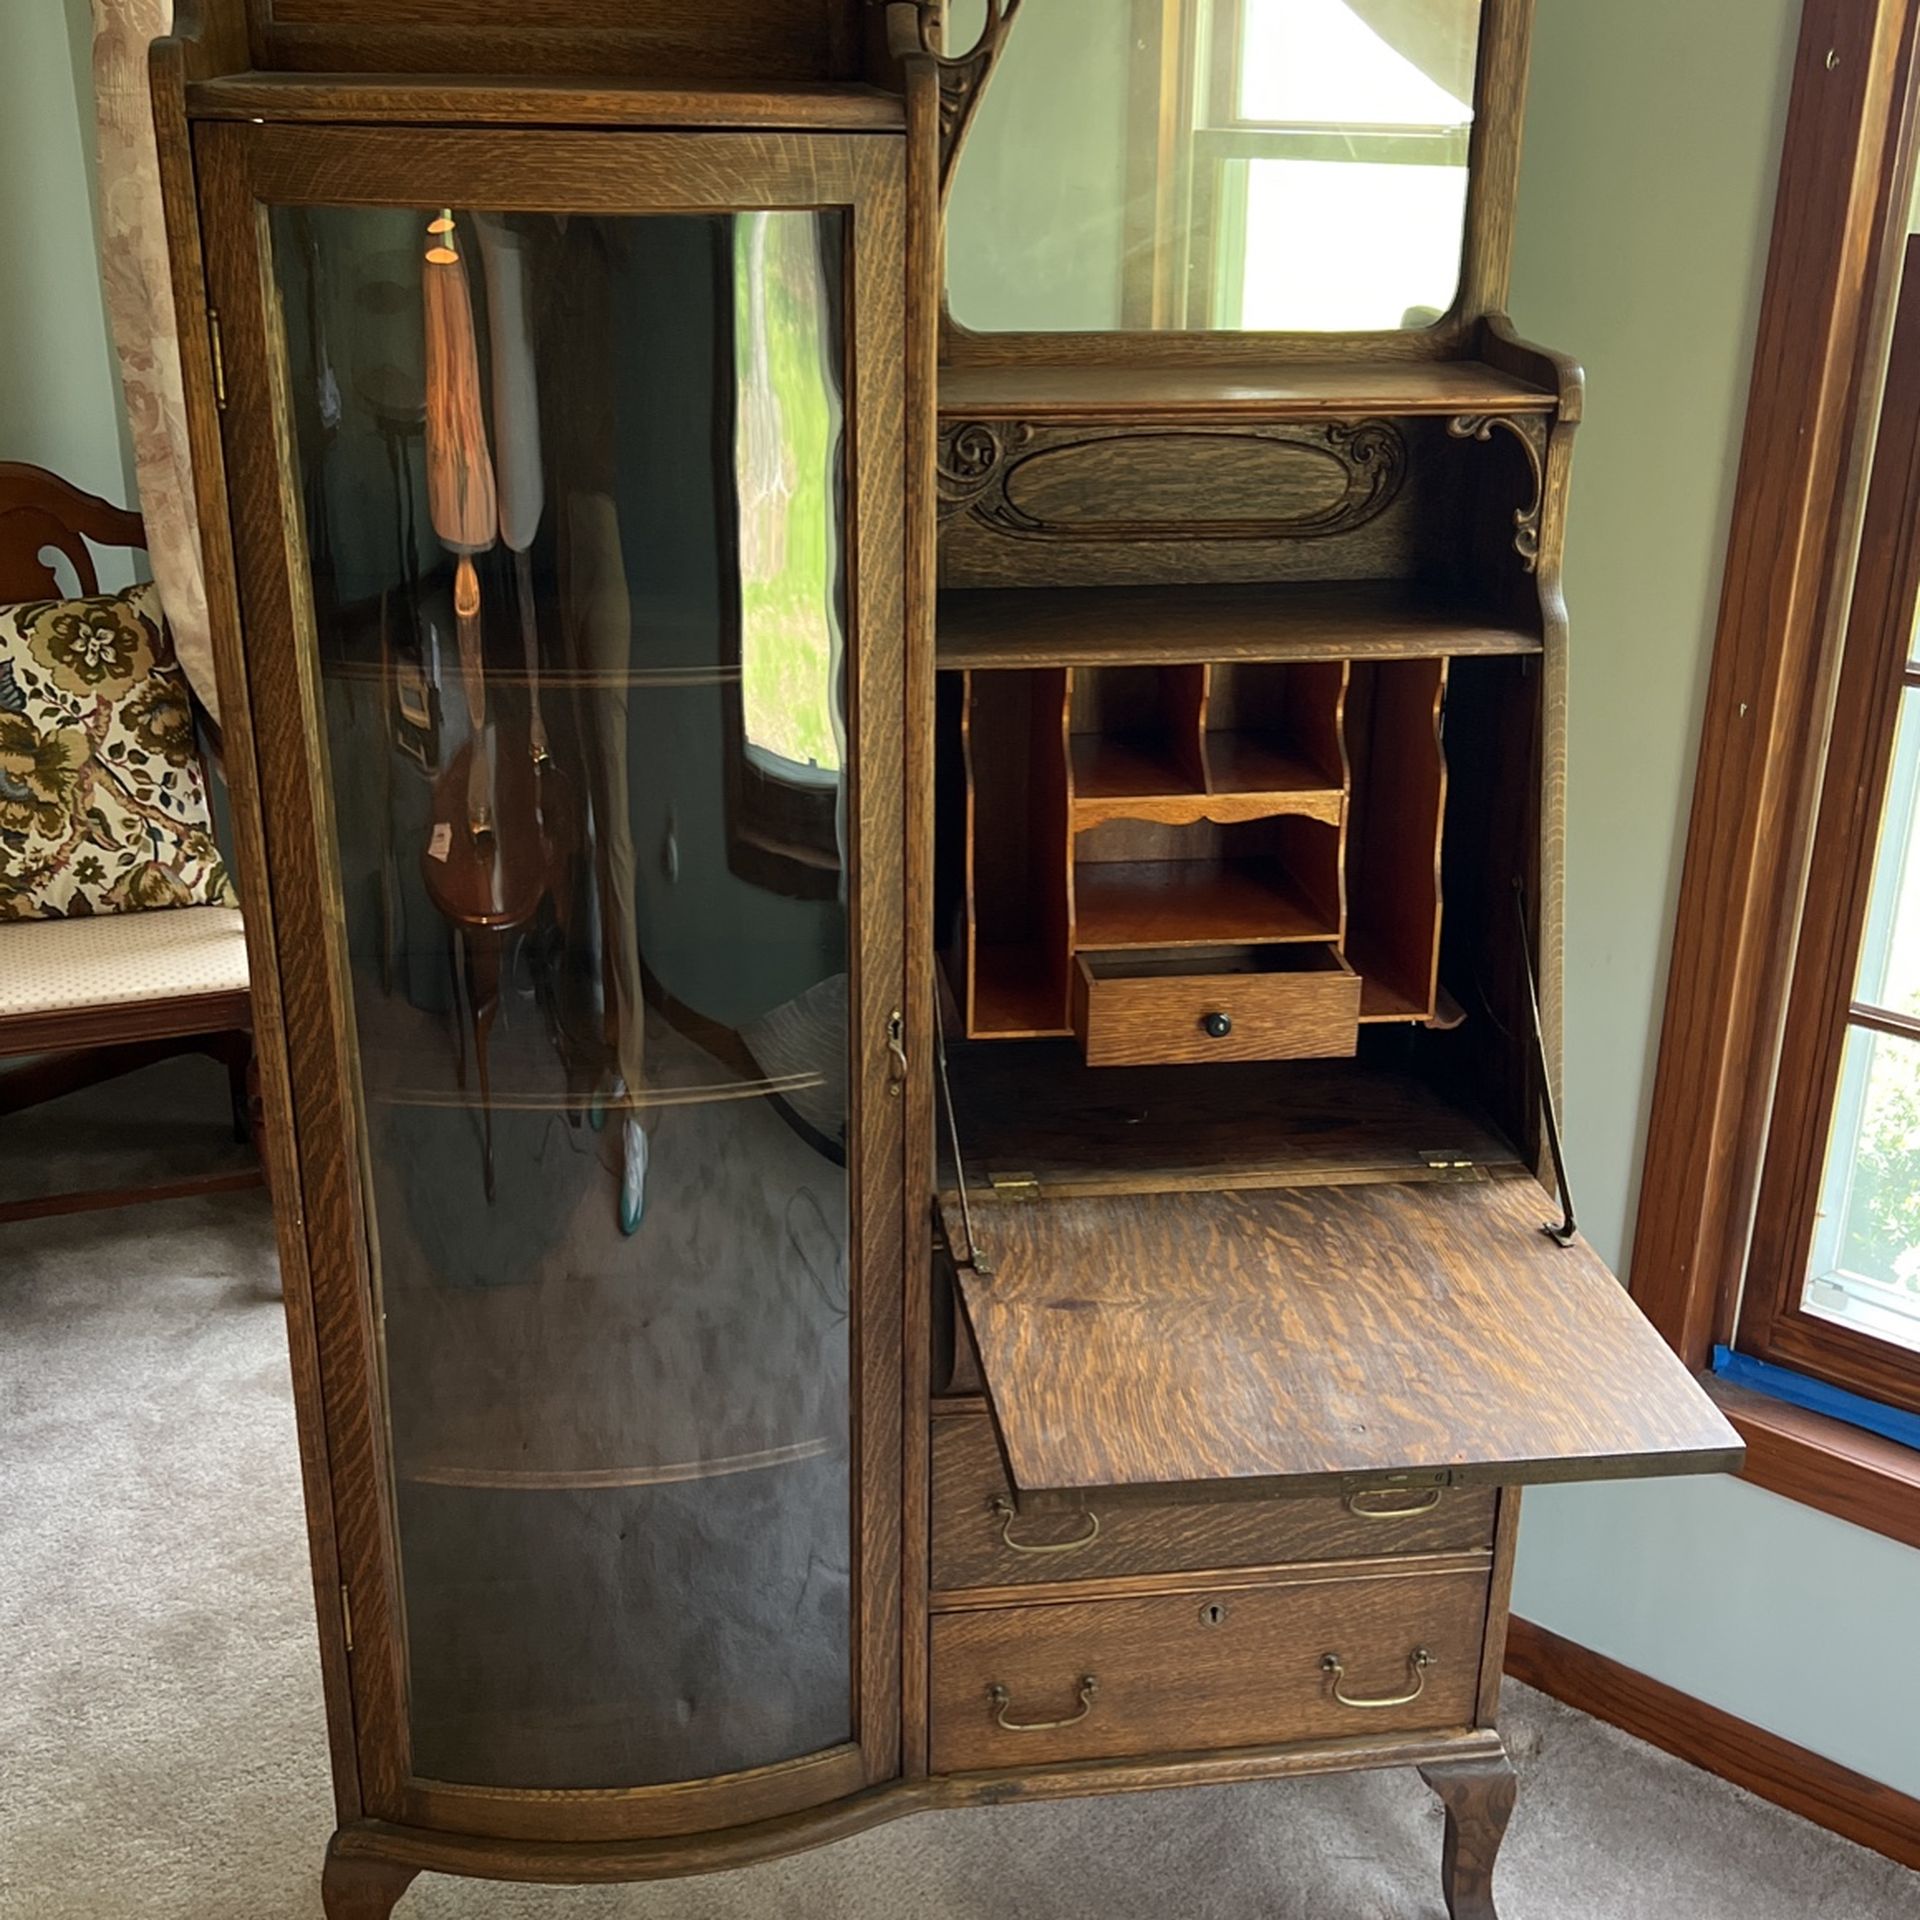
[(103, 808)]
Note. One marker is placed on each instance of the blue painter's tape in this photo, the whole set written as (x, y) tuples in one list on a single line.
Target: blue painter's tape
[(1782, 1383)]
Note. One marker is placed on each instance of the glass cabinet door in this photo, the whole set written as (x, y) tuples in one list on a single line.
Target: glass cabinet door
[(582, 609)]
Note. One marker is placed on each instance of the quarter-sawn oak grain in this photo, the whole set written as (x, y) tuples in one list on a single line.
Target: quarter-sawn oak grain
[(1249, 1342), (1200, 1671)]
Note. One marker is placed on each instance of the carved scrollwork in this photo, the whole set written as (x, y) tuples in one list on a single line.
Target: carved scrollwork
[(972, 456), (1532, 438), (962, 76), (1361, 466)]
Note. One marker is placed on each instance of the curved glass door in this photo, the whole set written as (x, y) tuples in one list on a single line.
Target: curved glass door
[(573, 490)]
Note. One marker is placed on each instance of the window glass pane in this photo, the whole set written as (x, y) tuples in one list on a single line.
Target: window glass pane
[(571, 494), (1303, 273), (1866, 1250), (1889, 975), (1362, 63)]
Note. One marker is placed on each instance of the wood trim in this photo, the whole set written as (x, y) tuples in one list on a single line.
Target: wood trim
[(209, 39), (100, 1199), (1506, 1546), (601, 1863), (924, 256), (241, 169), (1844, 177), (530, 102), (1854, 1475), (1818, 1789), (126, 1020), (1485, 269), (1771, 1323)]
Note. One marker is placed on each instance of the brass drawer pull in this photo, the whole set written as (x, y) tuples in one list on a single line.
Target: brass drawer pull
[(1001, 1506), (1001, 1701), (1359, 1503), (1418, 1661)]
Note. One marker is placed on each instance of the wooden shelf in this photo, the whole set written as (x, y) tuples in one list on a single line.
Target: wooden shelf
[(1078, 1129), (1273, 390), (1108, 769), (1257, 764), (1191, 903), (552, 679), (471, 1468), (563, 1101), (988, 627), (540, 100), (1252, 779)]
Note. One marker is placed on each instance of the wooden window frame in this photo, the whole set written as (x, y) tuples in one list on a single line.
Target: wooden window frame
[(1875, 668), (1722, 1080)]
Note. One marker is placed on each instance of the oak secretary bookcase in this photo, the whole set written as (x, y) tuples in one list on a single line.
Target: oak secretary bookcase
[(907, 969)]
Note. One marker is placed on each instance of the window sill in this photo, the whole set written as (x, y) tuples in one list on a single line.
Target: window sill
[(1823, 1463)]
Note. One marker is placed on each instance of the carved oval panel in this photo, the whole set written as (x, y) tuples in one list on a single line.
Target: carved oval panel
[(1129, 486)]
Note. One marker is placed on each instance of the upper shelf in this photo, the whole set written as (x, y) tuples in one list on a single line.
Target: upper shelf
[(1111, 626), (541, 100), (1215, 390)]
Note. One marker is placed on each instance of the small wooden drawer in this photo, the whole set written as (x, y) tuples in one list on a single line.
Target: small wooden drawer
[(1293, 1001), (1233, 1666), (979, 1540)]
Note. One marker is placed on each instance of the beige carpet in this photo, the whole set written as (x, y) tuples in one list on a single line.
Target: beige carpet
[(162, 1755)]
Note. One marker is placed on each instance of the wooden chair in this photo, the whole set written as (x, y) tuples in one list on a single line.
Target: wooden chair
[(94, 998)]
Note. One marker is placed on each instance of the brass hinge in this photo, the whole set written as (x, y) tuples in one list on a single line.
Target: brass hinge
[(219, 359), (1449, 1163), (1015, 1186), (346, 1617)]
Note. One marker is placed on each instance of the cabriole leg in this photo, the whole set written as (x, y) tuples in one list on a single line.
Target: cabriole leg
[(354, 1888), (1478, 1796)]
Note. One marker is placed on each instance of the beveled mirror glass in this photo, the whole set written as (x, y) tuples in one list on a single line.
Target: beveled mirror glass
[(1285, 166)]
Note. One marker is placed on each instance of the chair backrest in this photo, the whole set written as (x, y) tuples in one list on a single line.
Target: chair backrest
[(40, 511)]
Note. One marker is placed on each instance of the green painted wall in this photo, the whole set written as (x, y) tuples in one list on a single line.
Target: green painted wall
[(59, 386), (1653, 139)]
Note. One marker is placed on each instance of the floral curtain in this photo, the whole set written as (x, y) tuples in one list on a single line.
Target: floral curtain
[(139, 295)]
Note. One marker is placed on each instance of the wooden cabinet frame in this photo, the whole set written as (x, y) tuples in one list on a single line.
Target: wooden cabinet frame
[(241, 171), (746, 113)]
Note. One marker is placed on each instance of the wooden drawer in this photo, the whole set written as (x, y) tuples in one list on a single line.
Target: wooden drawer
[(1232, 1666), (978, 1541), (1287, 1002)]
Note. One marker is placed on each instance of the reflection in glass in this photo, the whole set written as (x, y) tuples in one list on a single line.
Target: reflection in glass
[(1278, 165), (573, 494)]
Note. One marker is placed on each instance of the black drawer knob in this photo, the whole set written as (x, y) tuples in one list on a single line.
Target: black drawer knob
[(1216, 1025)]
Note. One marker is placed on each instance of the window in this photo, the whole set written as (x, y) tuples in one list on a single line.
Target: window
[(1312, 169), (1833, 1287)]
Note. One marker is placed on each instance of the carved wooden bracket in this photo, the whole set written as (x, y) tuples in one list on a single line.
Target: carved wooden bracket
[(1315, 480), (1532, 435), (963, 77)]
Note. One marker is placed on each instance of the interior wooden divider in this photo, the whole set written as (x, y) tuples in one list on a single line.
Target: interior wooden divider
[(1124, 808), (1019, 933), (1399, 796)]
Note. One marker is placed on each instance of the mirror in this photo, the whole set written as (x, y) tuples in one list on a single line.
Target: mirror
[(1286, 166)]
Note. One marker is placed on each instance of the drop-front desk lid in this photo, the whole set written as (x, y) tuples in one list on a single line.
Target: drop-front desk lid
[(1186, 1344)]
